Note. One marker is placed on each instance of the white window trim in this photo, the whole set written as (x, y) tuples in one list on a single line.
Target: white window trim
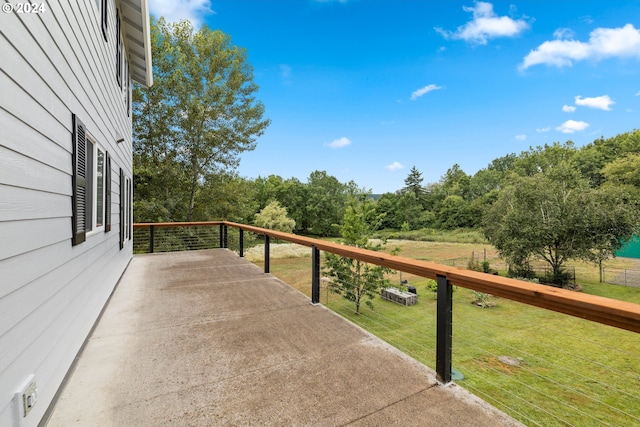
[(92, 222)]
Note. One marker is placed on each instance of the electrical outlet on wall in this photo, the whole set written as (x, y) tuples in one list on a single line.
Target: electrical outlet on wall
[(24, 400)]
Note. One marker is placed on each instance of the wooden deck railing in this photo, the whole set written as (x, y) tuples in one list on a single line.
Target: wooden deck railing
[(621, 314)]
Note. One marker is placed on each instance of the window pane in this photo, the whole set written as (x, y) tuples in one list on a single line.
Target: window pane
[(99, 188)]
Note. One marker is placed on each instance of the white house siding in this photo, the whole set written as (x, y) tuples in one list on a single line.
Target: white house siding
[(54, 64)]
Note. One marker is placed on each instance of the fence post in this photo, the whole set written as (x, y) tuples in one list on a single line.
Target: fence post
[(221, 237), (266, 254), (444, 329), (315, 275), (151, 238), (225, 241), (241, 242)]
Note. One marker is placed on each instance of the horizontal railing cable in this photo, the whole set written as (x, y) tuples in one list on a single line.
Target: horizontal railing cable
[(605, 347)]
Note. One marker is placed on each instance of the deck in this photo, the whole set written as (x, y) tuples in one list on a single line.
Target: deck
[(205, 338)]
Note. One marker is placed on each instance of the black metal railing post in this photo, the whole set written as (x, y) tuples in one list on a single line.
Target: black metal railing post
[(444, 329), (225, 240), (151, 238), (221, 236), (241, 242), (315, 275), (266, 253)]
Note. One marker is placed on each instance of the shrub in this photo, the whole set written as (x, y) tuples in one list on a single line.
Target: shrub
[(482, 300)]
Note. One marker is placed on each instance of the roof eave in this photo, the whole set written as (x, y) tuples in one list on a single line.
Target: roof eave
[(137, 37)]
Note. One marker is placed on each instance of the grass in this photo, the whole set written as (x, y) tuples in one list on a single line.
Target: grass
[(572, 371), (434, 235)]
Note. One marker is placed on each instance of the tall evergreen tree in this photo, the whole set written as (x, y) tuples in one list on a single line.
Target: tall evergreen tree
[(413, 183)]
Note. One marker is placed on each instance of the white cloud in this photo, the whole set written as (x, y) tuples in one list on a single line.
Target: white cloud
[(542, 130), (638, 94), (568, 108), (177, 10), (285, 71), (394, 166), (521, 137), (572, 126), (603, 43), (599, 102), (485, 25), (563, 33), (423, 91), (340, 142)]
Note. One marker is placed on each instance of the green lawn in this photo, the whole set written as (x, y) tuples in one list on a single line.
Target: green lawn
[(572, 371)]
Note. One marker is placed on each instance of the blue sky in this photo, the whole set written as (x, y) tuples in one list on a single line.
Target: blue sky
[(366, 89)]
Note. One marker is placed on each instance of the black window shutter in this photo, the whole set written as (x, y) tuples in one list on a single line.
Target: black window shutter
[(130, 213), (104, 19), (122, 212), (79, 182), (107, 190), (118, 51)]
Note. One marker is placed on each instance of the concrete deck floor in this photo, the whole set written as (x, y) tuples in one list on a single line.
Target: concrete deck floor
[(206, 339)]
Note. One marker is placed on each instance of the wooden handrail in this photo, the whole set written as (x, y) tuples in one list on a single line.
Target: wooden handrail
[(608, 311)]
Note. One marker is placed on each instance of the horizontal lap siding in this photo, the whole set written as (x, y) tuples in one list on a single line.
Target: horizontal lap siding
[(53, 65)]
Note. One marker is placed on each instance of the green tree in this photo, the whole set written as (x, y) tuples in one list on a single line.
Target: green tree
[(226, 196), (456, 212), (326, 203), (592, 158), (201, 112), (624, 172), (413, 184), (387, 207), (355, 280), (544, 158), (556, 216), (274, 217), (455, 182)]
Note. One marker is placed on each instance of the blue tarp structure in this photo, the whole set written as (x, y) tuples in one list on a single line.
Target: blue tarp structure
[(631, 249)]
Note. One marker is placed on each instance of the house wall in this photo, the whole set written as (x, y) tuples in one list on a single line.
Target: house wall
[(54, 64)]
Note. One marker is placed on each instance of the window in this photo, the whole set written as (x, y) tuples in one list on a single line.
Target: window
[(126, 211), (96, 194), (98, 185), (91, 182)]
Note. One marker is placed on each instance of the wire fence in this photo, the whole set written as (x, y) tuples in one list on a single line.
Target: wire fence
[(170, 239), (621, 276)]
